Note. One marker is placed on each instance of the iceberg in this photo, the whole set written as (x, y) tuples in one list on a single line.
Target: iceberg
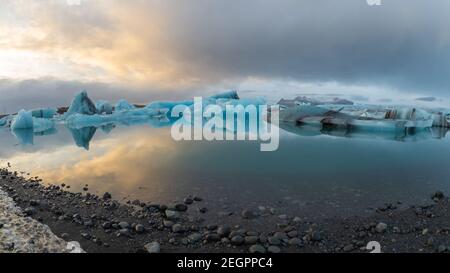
[(81, 104), (43, 112), (103, 107), (4, 121), (123, 105), (23, 120)]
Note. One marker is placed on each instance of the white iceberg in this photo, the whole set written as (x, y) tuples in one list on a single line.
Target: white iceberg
[(103, 107), (81, 104), (123, 105), (23, 120)]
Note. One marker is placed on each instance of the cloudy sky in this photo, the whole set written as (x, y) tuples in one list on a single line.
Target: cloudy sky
[(143, 50)]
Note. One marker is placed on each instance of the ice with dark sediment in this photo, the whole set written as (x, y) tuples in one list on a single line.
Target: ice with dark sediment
[(362, 116)]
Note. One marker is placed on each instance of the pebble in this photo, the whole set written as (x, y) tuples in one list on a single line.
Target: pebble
[(177, 228), (237, 240), (139, 228), (197, 199), (194, 237), (107, 225), (296, 242), (213, 237), (171, 214), (153, 247), (29, 211), (381, 227), (124, 225), (107, 195), (273, 249), (181, 207), (274, 241), (188, 200), (224, 231), (250, 240), (257, 249)]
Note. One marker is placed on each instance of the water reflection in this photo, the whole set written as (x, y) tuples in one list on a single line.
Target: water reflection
[(330, 169)]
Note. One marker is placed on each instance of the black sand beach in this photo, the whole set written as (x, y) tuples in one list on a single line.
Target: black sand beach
[(101, 224)]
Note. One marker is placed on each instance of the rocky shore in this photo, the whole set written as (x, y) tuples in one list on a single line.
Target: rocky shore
[(102, 224)]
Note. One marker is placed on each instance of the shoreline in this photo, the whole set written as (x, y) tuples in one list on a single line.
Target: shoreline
[(102, 224)]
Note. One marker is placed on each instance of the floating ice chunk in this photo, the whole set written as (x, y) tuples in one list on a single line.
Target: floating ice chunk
[(23, 120), (4, 121), (43, 112), (123, 105), (81, 104), (103, 107)]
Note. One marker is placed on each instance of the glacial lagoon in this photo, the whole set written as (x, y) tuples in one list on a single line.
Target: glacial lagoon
[(324, 174)]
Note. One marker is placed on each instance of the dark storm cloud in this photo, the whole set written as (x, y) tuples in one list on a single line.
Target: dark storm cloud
[(401, 44)]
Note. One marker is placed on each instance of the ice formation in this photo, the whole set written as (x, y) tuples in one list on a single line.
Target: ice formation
[(4, 121), (361, 116), (123, 105), (43, 112), (103, 107), (23, 120), (81, 104)]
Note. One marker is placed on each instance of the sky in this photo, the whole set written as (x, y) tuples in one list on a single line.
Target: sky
[(170, 49)]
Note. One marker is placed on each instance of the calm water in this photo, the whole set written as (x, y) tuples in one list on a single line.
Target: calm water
[(325, 173)]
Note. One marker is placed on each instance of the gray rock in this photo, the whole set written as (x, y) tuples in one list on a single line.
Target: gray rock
[(107, 195), (296, 242), (29, 211), (194, 237), (177, 228), (181, 207), (188, 200), (381, 227), (139, 228), (274, 241), (237, 240), (124, 225), (213, 237), (153, 247), (223, 231), (280, 235), (348, 248), (172, 215), (257, 249), (168, 223), (273, 249), (250, 240)]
